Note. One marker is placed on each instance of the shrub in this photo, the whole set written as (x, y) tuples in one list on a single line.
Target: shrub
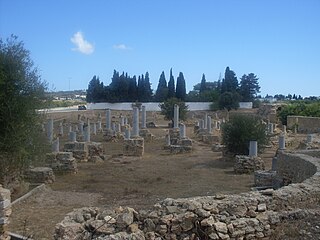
[(240, 130)]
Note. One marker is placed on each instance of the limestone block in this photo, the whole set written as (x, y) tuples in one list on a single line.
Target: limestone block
[(133, 147), (185, 142), (176, 149), (246, 164), (40, 175), (264, 178), (210, 139), (146, 134), (95, 149)]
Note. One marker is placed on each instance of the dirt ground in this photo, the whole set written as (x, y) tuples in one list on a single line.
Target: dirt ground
[(139, 183), (130, 181)]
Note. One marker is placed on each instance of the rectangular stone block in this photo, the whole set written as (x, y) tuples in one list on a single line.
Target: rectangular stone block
[(133, 147), (210, 139), (185, 142), (64, 156)]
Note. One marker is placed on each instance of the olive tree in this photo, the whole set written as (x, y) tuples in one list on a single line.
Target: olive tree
[(21, 93)]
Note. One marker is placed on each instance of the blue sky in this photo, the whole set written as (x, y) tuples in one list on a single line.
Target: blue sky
[(70, 41)]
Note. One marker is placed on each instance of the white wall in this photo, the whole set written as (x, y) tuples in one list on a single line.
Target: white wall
[(246, 105), (151, 106)]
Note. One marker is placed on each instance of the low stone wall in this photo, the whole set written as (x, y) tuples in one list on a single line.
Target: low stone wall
[(304, 124), (5, 212), (39, 175), (251, 215), (293, 167)]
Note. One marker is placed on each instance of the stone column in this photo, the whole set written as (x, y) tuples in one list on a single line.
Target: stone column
[(122, 121), (201, 124), (118, 128), (113, 126), (284, 129), (205, 120), (76, 127), (127, 133), (125, 121), (209, 124), (94, 128), (72, 136), (168, 141), (182, 131), (282, 142), (253, 149), (70, 128), (274, 164), (135, 128), (176, 116), (50, 130), (81, 128), (108, 119), (99, 125), (270, 128), (143, 117), (55, 145), (61, 129), (5, 212), (87, 133), (309, 138)]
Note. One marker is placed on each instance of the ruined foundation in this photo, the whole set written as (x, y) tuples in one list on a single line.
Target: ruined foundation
[(39, 175), (133, 147), (246, 164), (62, 162)]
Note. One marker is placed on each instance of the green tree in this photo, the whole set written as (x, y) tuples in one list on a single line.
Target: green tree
[(162, 89), (230, 82), (95, 92), (133, 90), (181, 87), (203, 85), (249, 87), (147, 88), (167, 109), (21, 93), (144, 88), (171, 86), (240, 130), (229, 100)]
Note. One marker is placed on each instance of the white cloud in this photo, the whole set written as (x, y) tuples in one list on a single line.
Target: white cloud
[(81, 44), (121, 47)]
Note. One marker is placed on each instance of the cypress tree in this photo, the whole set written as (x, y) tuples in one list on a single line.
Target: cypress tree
[(171, 87), (162, 89), (181, 87)]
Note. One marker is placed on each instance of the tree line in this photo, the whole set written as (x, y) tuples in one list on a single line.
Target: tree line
[(124, 88), (225, 93)]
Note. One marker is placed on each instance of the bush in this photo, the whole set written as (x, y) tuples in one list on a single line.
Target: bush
[(240, 130)]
